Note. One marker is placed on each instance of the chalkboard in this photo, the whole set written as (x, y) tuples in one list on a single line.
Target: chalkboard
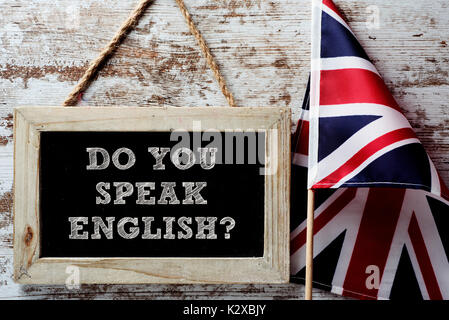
[(135, 195), (232, 197)]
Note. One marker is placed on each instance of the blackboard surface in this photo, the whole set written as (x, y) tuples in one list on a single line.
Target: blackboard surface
[(68, 189)]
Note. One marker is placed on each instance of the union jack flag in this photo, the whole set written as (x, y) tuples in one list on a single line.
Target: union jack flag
[(386, 238), (358, 134)]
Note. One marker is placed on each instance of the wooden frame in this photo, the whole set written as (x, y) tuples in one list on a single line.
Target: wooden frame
[(30, 268)]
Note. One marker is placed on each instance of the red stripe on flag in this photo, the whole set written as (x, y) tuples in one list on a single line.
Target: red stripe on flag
[(327, 215), (354, 86), (333, 7), (373, 241), (424, 260), (302, 146), (363, 154)]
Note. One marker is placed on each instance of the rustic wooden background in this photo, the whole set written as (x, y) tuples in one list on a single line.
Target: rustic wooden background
[(263, 48)]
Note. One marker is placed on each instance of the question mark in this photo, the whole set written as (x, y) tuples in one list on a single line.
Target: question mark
[(229, 226)]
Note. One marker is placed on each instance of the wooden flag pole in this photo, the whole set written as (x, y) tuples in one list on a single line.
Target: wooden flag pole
[(309, 243)]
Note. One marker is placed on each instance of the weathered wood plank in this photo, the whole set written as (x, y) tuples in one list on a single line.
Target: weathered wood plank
[(263, 50)]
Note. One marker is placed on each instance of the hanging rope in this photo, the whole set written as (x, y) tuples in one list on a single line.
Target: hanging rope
[(206, 51), (127, 26)]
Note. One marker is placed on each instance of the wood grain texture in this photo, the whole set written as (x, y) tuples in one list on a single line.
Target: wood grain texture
[(263, 50)]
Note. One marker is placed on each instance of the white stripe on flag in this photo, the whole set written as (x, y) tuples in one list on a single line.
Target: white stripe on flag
[(304, 115), (347, 63), (315, 80), (358, 109), (435, 179)]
